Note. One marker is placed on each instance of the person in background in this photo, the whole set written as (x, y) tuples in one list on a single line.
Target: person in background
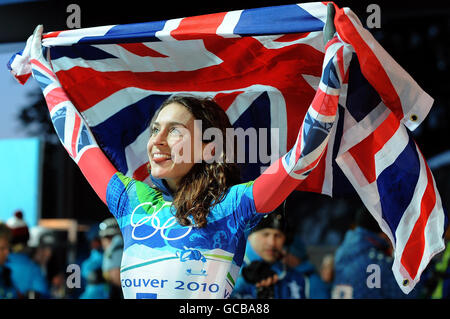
[(296, 258), (42, 242), (7, 290), (26, 274), (91, 269), (44, 245), (112, 243), (363, 264), (263, 275), (327, 271)]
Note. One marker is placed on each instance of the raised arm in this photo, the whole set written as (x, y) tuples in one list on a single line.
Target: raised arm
[(282, 177), (70, 126)]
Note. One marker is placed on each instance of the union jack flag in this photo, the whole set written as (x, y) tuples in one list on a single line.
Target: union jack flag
[(264, 66)]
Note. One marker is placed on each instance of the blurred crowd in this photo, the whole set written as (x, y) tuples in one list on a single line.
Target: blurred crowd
[(33, 262), (276, 264)]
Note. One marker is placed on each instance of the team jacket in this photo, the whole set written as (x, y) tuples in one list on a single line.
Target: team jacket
[(162, 259)]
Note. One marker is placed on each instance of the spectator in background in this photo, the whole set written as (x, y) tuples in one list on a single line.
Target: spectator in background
[(296, 258), (112, 243), (91, 269), (263, 275), (7, 290), (42, 242), (327, 271), (362, 246), (26, 275)]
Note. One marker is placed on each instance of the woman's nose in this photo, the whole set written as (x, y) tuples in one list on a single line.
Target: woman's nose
[(160, 138)]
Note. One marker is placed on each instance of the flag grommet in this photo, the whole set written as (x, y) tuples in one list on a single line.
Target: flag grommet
[(405, 282), (413, 117)]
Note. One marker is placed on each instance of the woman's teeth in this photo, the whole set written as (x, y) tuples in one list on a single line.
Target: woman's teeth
[(161, 156)]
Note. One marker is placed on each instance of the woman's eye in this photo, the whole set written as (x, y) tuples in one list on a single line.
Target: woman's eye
[(174, 131), (154, 131)]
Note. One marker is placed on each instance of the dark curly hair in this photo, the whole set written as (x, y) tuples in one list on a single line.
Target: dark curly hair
[(206, 183)]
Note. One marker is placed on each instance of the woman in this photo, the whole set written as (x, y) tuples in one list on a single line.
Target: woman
[(185, 238), (191, 243)]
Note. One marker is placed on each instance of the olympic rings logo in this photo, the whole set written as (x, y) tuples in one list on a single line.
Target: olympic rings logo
[(155, 223)]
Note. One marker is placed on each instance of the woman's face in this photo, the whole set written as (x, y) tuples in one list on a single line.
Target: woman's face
[(171, 145)]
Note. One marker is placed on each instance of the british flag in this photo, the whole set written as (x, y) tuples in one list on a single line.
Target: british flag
[(264, 66)]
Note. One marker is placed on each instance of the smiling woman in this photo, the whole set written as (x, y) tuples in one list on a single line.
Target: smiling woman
[(176, 150), (188, 230)]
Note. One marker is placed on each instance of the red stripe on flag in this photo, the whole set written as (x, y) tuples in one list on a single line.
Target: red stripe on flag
[(310, 166), (325, 104), (298, 149), (364, 152), (340, 62), (76, 130), (141, 50), (51, 35), (373, 71), (54, 97), (198, 26), (23, 78), (331, 42), (314, 181), (43, 67), (141, 173), (414, 248), (226, 99), (292, 37)]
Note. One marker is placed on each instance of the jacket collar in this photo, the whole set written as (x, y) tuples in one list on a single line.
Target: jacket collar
[(162, 185)]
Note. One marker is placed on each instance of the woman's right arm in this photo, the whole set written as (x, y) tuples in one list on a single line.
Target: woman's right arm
[(70, 126), (283, 176)]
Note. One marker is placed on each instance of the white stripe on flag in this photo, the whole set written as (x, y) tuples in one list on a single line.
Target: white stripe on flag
[(69, 129), (192, 53), (226, 28), (316, 9), (278, 116), (113, 104), (169, 26), (136, 152), (388, 154), (313, 39), (354, 132), (70, 37)]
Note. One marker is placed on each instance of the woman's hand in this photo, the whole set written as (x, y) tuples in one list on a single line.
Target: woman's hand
[(36, 44)]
